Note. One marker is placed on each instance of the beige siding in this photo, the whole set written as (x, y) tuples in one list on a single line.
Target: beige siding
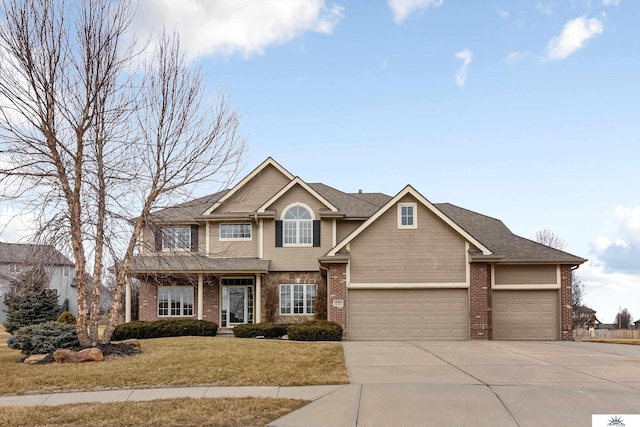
[(297, 194), (148, 246), (255, 192), (232, 249), (147, 243), (526, 275), (295, 258), (344, 228), (432, 253)]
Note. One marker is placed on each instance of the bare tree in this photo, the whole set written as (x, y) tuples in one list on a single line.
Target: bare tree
[(88, 140), (623, 319), (549, 238)]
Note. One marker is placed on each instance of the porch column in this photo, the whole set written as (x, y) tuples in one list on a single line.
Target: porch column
[(200, 295), (258, 299), (127, 300)]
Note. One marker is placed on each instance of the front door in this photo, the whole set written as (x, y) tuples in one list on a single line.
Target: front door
[(237, 302)]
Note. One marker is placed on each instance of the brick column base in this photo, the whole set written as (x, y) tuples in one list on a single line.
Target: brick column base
[(480, 324), (337, 295), (566, 302)]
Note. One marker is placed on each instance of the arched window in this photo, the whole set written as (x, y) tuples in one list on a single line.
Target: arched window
[(297, 226)]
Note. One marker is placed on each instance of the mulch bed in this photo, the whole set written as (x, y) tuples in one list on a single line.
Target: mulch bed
[(113, 350)]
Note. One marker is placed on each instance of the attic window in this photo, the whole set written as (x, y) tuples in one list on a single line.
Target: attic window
[(407, 215)]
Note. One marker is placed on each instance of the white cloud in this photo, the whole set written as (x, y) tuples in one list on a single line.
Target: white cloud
[(573, 37), (610, 2), (229, 26), (513, 57), (630, 221), (622, 252), (461, 74), (15, 225), (544, 8), (403, 8), (504, 14)]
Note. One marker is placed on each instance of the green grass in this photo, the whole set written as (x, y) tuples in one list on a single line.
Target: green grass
[(183, 361)]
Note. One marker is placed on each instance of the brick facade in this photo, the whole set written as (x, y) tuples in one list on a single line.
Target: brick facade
[(566, 302), (270, 289), (480, 323), (337, 290), (148, 298)]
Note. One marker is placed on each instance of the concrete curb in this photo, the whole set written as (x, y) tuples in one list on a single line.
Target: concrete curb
[(311, 393)]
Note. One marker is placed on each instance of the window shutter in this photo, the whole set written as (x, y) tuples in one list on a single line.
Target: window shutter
[(278, 233), (194, 238), (158, 239), (316, 233)]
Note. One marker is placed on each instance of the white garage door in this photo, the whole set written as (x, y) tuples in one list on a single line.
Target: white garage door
[(526, 315), (399, 314)]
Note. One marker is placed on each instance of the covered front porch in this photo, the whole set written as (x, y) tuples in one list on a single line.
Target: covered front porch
[(225, 291)]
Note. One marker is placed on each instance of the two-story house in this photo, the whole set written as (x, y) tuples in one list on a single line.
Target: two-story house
[(16, 258), (391, 267)]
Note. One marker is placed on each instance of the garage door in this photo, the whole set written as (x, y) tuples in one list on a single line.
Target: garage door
[(525, 315), (399, 314)]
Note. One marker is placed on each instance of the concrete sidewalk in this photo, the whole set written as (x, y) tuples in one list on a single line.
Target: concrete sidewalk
[(311, 393)]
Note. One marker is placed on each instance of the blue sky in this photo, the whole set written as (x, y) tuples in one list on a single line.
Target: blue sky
[(528, 111)]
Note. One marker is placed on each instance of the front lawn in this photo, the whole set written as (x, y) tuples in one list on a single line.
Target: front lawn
[(170, 412), (183, 361)]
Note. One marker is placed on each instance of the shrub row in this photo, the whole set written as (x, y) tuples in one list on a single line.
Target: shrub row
[(164, 328), (312, 330), (43, 338), (315, 330), (267, 330)]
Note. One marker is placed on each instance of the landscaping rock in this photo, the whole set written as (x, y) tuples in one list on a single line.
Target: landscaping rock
[(285, 337), (131, 341), (86, 355), (34, 359)]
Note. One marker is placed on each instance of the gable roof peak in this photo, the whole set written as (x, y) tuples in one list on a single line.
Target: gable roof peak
[(408, 189), (269, 161)]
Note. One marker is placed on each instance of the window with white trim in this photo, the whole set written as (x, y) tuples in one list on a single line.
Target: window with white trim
[(176, 238), (235, 232), (297, 227), (15, 268), (175, 301), (66, 271), (407, 215), (297, 299)]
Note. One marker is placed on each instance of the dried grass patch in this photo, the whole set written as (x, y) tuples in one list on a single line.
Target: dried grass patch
[(615, 341), (184, 361), (238, 412)]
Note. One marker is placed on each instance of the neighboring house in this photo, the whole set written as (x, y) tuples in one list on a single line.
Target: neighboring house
[(584, 317), (395, 267), (16, 258), (636, 324)]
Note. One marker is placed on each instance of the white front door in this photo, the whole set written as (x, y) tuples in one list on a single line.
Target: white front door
[(237, 302)]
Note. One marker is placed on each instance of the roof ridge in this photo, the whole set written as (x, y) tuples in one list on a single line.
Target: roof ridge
[(473, 212), (346, 194), (546, 246)]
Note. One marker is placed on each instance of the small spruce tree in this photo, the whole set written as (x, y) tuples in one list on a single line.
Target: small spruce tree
[(31, 301)]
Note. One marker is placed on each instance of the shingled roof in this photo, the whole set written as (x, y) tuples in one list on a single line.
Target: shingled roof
[(197, 264), (19, 253), (501, 241), (188, 211), (354, 205)]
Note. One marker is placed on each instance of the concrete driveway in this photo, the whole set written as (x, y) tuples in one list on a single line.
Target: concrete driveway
[(492, 383)]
